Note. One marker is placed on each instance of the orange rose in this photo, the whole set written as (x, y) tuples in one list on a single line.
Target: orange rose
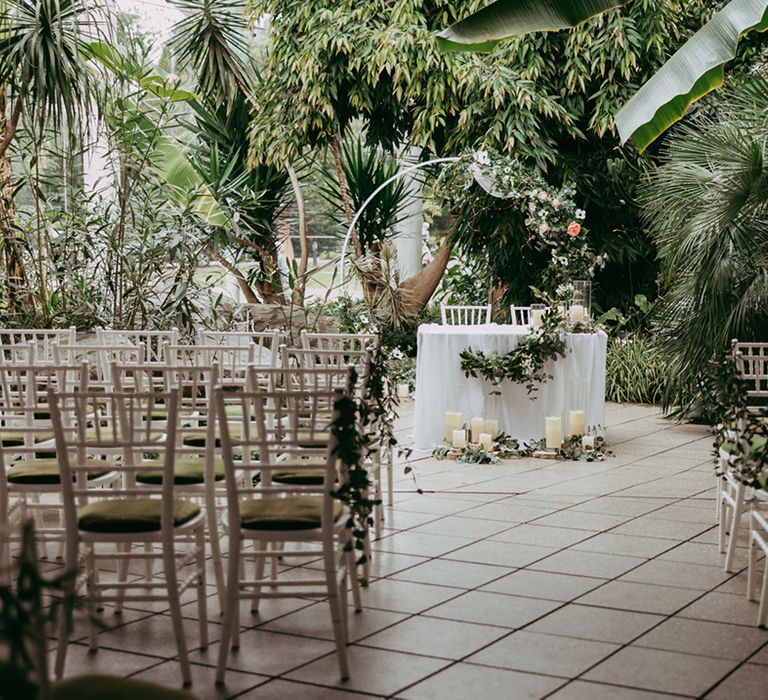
[(574, 228)]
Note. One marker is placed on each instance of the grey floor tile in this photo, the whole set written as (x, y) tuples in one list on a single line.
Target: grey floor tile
[(544, 653), (404, 596), (493, 609), (420, 543), (203, 680), (663, 671), (678, 574), (585, 690), (625, 545), (81, 661), (580, 563), (542, 535), (601, 624), (507, 554), (722, 607), (459, 526), (462, 681), (447, 572), (582, 520), (543, 584), (291, 690), (749, 682), (640, 597)]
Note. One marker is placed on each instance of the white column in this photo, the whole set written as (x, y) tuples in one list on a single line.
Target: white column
[(408, 231)]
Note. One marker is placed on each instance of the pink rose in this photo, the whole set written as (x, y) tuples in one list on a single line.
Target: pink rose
[(574, 229)]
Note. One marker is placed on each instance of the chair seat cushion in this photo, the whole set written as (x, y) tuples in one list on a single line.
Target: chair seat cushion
[(756, 444), (300, 477), (187, 471), (97, 687), (290, 513), (312, 439), (107, 435), (132, 515), (46, 471), (16, 439)]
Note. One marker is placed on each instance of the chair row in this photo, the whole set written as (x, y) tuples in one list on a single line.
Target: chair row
[(124, 466), (479, 315)]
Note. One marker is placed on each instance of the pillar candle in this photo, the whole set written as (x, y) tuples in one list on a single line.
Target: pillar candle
[(459, 438), (554, 432), (491, 427), (403, 391), (536, 316), (476, 426), (588, 442), (577, 313), (452, 422), (576, 422), (486, 440)]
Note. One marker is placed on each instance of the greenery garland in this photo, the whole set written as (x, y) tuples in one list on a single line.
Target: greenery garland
[(524, 364)]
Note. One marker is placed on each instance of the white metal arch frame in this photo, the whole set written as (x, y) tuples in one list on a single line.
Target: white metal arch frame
[(372, 196)]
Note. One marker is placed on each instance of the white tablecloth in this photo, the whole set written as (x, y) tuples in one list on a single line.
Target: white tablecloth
[(578, 383)]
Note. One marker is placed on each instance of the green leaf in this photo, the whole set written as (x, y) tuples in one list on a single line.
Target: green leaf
[(694, 70), (482, 30)]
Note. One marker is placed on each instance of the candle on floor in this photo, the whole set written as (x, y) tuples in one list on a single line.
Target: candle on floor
[(491, 427), (536, 317), (476, 426), (577, 313), (486, 440), (576, 422), (452, 422), (403, 391), (459, 438), (554, 432), (588, 442)]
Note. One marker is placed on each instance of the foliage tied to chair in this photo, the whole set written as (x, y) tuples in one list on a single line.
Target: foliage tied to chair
[(728, 392), (524, 364)]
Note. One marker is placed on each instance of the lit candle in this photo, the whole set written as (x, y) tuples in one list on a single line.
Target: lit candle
[(577, 313), (452, 422), (588, 442), (476, 426), (554, 432), (459, 438), (536, 317), (486, 440), (403, 391), (491, 427), (576, 422)]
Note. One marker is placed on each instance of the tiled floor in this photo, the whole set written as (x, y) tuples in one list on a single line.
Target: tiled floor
[(526, 579)]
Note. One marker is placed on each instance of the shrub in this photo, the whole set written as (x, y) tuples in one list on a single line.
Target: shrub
[(636, 370)]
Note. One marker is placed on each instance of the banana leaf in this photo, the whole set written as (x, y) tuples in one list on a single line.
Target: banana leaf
[(482, 30), (694, 70)]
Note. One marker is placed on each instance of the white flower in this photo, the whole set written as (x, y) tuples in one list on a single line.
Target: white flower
[(542, 213), (172, 78), (581, 214), (543, 196), (563, 261), (555, 203), (482, 158), (543, 227), (531, 207)]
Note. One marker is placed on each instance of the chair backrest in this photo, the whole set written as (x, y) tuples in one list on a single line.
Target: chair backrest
[(233, 360), (339, 341), (12, 354), (520, 315), (265, 342), (752, 365), (100, 359), (153, 341), (43, 339), (284, 430), (465, 315), (133, 434)]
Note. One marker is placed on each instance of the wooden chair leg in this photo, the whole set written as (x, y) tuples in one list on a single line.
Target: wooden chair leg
[(230, 607), (339, 632), (172, 587)]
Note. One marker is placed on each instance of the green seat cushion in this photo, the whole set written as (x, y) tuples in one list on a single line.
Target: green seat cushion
[(198, 438), (308, 439), (187, 471), (290, 513), (300, 477), (95, 687), (16, 439), (132, 515), (107, 434), (46, 471), (756, 445)]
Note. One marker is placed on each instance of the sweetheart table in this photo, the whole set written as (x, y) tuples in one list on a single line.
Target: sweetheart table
[(578, 383)]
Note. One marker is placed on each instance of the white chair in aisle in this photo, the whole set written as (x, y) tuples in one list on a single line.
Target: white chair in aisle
[(271, 514), (520, 315), (13, 354), (266, 342), (198, 467), (758, 537), (102, 525), (734, 497), (339, 341), (42, 338), (233, 360), (100, 359), (152, 341), (465, 315)]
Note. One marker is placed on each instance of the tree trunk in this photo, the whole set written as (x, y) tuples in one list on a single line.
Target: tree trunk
[(15, 278), (422, 285), (248, 293), (301, 279)]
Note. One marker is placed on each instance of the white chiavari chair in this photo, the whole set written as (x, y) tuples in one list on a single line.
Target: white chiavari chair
[(520, 315), (104, 525), (276, 429), (339, 341), (233, 360), (465, 315), (42, 338), (152, 341), (100, 359), (734, 497), (266, 342), (18, 354), (758, 537)]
